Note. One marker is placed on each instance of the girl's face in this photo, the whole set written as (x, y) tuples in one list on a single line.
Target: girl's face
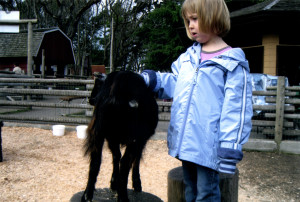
[(195, 30)]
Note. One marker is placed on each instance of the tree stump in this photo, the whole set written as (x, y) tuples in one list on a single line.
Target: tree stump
[(1, 157), (228, 186), (176, 185)]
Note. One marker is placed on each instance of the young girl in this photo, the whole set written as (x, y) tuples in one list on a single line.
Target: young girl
[(212, 109)]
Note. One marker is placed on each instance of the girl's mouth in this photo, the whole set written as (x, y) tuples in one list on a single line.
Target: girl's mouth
[(194, 34)]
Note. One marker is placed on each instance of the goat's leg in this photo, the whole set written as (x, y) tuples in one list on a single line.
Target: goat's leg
[(125, 165), (136, 180), (95, 163), (116, 154)]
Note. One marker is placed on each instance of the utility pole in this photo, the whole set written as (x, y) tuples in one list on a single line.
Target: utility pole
[(112, 44)]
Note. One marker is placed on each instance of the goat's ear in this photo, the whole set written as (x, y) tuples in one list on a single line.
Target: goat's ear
[(103, 77), (100, 76), (133, 104)]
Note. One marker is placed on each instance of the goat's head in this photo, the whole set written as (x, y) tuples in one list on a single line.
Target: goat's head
[(99, 81)]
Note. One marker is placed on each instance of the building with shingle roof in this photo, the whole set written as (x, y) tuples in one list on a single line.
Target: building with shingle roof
[(268, 33), (56, 46)]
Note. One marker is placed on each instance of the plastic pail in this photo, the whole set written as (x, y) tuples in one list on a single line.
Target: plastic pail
[(81, 131), (58, 130)]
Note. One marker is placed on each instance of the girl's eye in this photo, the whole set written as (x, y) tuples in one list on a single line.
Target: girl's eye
[(194, 18)]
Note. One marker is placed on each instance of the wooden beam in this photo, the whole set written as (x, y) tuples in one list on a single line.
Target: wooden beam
[(272, 93), (287, 100), (46, 92), (287, 116), (296, 88), (280, 98), (17, 22), (29, 47), (45, 119), (34, 80), (273, 108), (45, 104), (271, 123), (285, 132)]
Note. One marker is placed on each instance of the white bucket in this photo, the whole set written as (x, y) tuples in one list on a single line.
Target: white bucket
[(58, 130), (81, 131)]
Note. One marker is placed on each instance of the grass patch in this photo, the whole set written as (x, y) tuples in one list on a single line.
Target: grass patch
[(77, 114), (15, 111)]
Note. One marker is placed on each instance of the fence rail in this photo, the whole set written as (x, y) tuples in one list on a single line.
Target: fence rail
[(278, 120), (54, 94)]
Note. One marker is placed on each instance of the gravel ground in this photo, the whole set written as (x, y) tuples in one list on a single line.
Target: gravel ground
[(38, 166)]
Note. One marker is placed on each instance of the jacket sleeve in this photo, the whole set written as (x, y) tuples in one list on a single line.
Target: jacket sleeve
[(163, 83), (235, 122)]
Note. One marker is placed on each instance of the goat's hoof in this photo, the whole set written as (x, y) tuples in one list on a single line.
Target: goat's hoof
[(123, 200), (85, 198), (114, 186), (137, 185), (138, 189)]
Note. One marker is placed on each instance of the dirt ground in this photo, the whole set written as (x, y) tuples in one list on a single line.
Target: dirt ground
[(38, 166)]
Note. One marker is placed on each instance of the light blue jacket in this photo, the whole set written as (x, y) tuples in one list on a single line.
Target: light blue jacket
[(212, 107)]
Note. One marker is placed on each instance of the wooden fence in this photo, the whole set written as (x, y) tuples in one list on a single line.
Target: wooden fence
[(276, 121), (279, 120), (24, 88)]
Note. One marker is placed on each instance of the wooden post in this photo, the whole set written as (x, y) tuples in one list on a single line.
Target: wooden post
[(229, 185), (176, 185), (29, 47), (29, 42), (1, 157), (280, 101), (43, 63)]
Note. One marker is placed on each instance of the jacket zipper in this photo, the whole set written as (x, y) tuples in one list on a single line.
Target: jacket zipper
[(187, 109)]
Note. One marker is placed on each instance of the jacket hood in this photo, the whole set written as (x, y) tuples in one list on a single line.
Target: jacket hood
[(229, 59)]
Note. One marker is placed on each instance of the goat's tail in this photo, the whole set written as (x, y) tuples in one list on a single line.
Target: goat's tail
[(90, 144)]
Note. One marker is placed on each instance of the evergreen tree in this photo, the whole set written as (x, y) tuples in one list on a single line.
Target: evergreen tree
[(160, 36)]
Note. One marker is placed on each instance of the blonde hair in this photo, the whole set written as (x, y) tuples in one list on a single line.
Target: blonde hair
[(213, 16)]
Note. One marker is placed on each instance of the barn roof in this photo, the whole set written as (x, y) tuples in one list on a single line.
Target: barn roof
[(15, 44), (272, 16), (273, 6)]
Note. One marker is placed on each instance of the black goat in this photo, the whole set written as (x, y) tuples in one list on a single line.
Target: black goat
[(126, 113)]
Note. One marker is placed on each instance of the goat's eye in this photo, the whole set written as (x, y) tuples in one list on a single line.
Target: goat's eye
[(133, 104)]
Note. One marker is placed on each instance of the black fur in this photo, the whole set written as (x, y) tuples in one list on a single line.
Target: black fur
[(126, 114)]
